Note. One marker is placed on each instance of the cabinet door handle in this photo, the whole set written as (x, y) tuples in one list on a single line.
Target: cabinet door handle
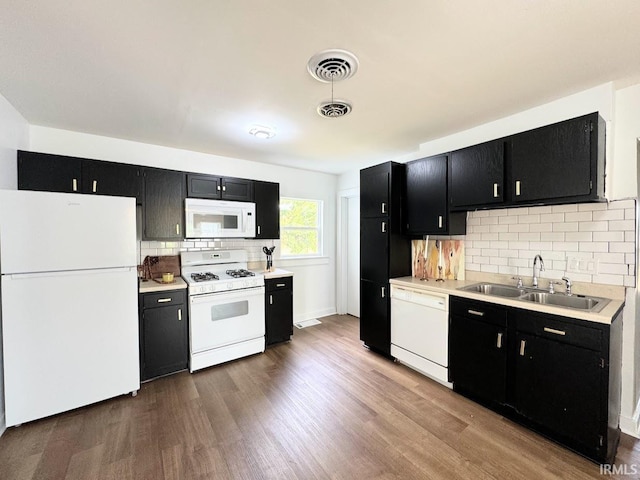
[(517, 187), (383, 207), (439, 221), (224, 188), (258, 229), (495, 190), (382, 291), (523, 343), (94, 186), (270, 299), (164, 300), (499, 341), (553, 330), (384, 227), (218, 187), (177, 229), (476, 312), (180, 314), (74, 184), (280, 284)]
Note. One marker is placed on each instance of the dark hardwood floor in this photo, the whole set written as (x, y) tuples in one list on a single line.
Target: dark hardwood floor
[(321, 406)]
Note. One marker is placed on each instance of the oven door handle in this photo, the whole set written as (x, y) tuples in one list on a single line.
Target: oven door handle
[(219, 297)]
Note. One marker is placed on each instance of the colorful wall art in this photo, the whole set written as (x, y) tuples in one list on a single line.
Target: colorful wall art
[(428, 255)]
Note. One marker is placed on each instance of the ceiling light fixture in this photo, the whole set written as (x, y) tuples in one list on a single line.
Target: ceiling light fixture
[(262, 132)]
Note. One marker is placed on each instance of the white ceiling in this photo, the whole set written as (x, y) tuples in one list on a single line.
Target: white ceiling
[(195, 74)]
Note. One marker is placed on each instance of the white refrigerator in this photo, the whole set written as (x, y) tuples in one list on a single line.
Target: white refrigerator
[(69, 301)]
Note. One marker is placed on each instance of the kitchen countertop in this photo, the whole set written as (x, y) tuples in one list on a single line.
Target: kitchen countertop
[(152, 286), (451, 287), (278, 273)]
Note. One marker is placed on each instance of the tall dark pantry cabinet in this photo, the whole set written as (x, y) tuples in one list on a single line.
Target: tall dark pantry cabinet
[(384, 251)]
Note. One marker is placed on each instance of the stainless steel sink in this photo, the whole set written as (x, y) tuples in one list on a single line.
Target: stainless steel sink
[(495, 289), (527, 294), (575, 301)]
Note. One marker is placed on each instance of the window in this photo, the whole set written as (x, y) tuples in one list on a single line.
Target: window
[(300, 227)]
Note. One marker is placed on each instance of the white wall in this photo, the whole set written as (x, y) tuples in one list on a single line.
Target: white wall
[(314, 279), (14, 135)]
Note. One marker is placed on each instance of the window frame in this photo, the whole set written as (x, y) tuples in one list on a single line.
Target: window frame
[(319, 228)]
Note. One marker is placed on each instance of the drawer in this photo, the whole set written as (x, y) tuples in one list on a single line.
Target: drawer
[(553, 328), (282, 283), (482, 311), (162, 299)]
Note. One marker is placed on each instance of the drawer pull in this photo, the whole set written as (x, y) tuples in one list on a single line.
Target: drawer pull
[(553, 330), (476, 312), (522, 345), (281, 284), (164, 300), (499, 341), (180, 314)]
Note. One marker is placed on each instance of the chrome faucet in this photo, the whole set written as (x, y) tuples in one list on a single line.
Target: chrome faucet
[(567, 280), (535, 277)]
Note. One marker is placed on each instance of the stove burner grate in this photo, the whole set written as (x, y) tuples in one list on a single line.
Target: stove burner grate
[(241, 272), (203, 277)]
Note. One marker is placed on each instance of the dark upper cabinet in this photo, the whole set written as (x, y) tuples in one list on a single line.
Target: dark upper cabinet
[(374, 192), (278, 309), (267, 198), (51, 173), (163, 209), (164, 333), (476, 176), (559, 161), (427, 206), (222, 188), (58, 173), (374, 249), (108, 178), (478, 350)]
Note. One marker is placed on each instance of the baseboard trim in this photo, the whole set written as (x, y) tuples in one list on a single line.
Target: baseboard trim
[(631, 425), (314, 314)]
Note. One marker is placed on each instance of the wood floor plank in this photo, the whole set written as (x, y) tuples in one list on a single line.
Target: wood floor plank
[(319, 407)]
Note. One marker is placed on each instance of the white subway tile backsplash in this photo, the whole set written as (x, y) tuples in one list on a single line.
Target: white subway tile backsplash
[(629, 225), (508, 236), (564, 208), (610, 257), (529, 237), (622, 204), (540, 246), (621, 247), (552, 218), (490, 236), (519, 227), (519, 245), (566, 227), (489, 221), (552, 237), (541, 227), (608, 236), (508, 220), (566, 246), (630, 258), (586, 207), (498, 228), (593, 226), (629, 281), (593, 247), (507, 270), (609, 279), (630, 214), (608, 215), (578, 217), (529, 219), (489, 268), (518, 211), (578, 236), (539, 210), (613, 268)]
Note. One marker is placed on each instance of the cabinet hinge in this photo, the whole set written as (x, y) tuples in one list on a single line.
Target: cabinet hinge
[(602, 362)]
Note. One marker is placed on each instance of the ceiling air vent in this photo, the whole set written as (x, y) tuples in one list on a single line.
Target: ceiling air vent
[(333, 65), (334, 109)]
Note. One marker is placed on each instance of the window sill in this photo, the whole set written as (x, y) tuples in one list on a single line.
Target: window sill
[(301, 261)]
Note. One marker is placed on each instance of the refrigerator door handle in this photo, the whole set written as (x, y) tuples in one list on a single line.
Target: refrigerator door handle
[(26, 276)]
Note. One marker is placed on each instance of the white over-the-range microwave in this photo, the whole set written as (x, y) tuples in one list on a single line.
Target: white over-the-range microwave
[(219, 219)]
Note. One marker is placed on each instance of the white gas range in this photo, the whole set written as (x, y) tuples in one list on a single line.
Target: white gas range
[(226, 307)]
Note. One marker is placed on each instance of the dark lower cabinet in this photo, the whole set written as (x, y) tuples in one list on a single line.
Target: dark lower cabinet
[(557, 375), (478, 350), (375, 312), (164, 333), (278, 310), (163, 204)]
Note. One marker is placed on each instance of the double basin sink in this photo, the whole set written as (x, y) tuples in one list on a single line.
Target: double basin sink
[(527, 294)]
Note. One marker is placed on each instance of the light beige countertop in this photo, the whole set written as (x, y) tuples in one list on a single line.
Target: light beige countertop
[(451, 287), (153, 286), (278, 273)]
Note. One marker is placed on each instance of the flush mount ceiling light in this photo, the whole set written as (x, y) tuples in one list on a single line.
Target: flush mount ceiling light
[(330, 66), (260, 131)]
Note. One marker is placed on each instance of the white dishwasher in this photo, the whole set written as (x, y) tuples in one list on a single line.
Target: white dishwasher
[(420, 331)]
